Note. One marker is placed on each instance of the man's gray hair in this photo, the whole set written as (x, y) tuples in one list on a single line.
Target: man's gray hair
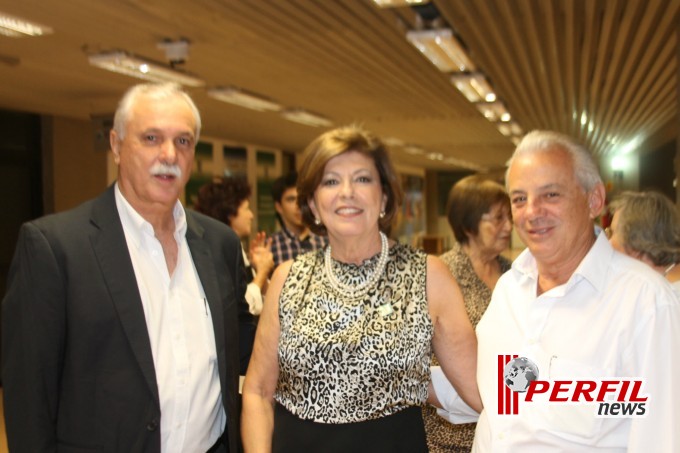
[(153, 91), (585, 167)]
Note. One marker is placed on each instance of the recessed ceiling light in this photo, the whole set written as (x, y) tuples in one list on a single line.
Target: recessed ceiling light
[(16, 27)]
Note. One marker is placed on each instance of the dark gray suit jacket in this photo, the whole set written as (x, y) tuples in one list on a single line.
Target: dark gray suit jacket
[(77, 368)]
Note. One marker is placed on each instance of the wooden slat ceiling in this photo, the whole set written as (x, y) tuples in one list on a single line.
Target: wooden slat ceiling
[(602, 70)]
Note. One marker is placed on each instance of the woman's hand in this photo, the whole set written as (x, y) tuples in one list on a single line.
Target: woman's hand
[(261, 258)]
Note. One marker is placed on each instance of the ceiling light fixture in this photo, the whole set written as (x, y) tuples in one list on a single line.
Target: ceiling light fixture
[(130, 65), (307, 118), (435, 156), (393, 141), (394, 3), (15, 27), (510, 129), (245, 99), (442, 49), (474, 87), (494, 111), (464, 164), (414, 150)]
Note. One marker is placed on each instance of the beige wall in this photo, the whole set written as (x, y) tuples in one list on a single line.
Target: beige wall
[(78, 171)]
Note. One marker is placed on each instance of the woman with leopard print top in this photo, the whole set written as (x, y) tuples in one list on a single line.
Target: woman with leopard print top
[(341, 357), (479, 215)]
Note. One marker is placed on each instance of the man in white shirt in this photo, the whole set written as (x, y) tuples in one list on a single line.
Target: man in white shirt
[(578, 315), (120, 325)]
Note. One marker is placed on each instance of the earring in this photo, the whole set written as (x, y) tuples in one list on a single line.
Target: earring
[(317, 221), (382, 214)]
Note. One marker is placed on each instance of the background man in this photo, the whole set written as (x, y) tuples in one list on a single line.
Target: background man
[(294, 237), (119, 324), (579, 311)]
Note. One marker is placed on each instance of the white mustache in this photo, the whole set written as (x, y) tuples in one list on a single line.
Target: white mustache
[(160, 168)]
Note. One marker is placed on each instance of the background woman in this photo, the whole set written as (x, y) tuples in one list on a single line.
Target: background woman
[(479, 215), (646, 226), (227, 200), (341, 358)]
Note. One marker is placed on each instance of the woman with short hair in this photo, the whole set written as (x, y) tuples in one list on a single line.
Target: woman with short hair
[(342, 353), (478, 212), (646, 226)]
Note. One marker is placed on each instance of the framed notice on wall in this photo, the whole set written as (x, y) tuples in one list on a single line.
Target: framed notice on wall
[(235, 161)]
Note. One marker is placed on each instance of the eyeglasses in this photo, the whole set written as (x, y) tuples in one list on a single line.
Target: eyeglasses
[(497, 219)]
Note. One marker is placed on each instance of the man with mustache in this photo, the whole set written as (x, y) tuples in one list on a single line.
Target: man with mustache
[(120, 322)]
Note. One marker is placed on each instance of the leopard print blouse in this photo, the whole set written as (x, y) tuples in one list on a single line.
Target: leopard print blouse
[(344, 359)]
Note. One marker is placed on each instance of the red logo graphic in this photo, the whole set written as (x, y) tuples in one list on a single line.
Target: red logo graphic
[(614, 397), (508, 401)]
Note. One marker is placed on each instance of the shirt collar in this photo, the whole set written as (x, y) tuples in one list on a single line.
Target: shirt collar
[(286, 232), (294, 237), (137, 227), (593, 268), (590, 268)]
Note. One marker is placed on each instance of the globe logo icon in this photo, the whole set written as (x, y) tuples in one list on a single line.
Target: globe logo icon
[(519, 373)]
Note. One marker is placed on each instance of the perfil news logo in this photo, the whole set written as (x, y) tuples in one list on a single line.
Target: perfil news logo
[(616, 397)]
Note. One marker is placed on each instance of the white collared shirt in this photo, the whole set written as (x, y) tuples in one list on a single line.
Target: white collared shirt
[(676, 288), (614, 317), (180, 328)]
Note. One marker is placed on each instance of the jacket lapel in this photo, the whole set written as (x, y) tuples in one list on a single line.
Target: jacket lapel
[(205, 267), (111, 250)]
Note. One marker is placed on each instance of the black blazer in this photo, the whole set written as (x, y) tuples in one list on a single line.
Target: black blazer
[(77, 368)]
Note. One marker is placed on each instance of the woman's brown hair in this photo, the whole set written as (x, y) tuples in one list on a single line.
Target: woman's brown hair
[(332, 144)]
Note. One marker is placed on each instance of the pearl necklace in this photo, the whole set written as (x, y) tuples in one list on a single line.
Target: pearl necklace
[(361, 289)]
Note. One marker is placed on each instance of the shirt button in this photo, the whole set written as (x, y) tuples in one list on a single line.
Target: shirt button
[(152, 425)]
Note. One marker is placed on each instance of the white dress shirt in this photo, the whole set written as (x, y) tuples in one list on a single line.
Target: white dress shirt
[(676, 288), (180, 328), (615, 317)]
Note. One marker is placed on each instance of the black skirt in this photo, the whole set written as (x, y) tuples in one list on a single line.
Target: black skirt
[(400, 432)]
